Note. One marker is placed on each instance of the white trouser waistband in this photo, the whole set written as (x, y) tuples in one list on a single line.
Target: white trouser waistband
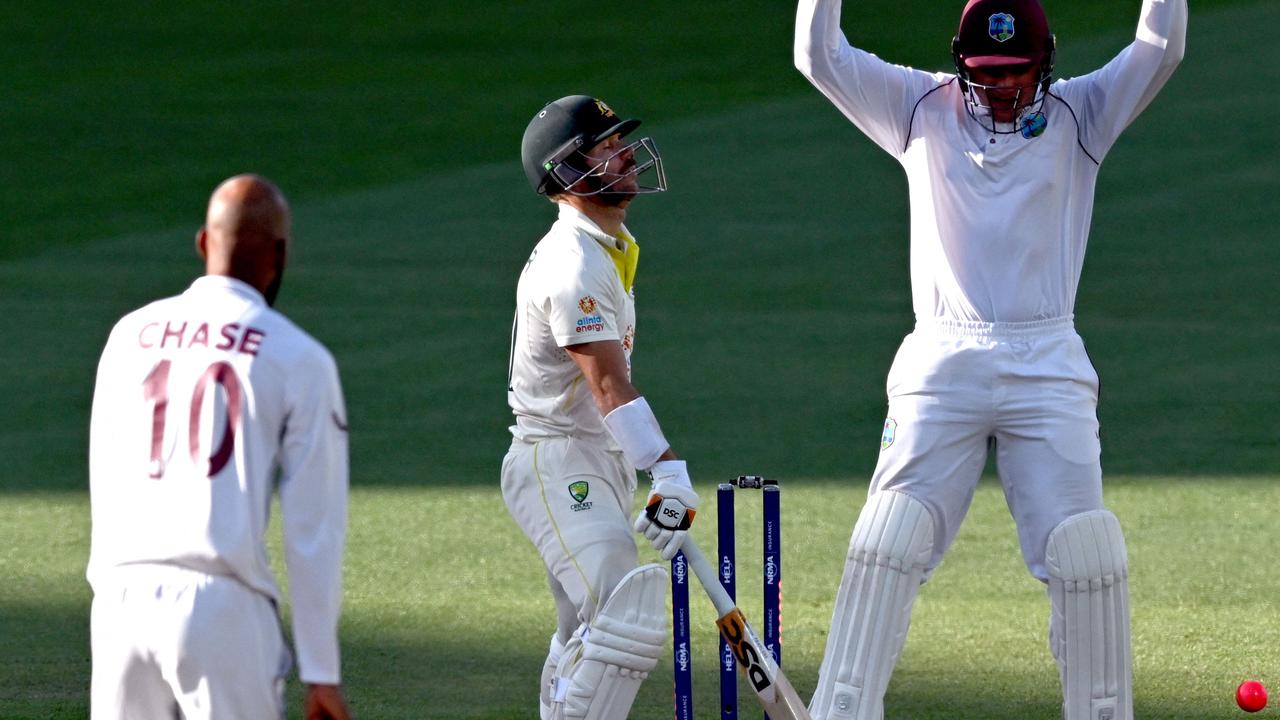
[(995, 330)]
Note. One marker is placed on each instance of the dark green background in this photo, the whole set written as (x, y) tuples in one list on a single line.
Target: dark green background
[(773, 289)]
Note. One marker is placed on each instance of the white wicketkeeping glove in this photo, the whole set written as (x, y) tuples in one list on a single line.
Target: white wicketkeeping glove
[(672, 504)]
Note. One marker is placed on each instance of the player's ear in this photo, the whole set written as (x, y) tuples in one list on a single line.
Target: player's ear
[(202, 241)]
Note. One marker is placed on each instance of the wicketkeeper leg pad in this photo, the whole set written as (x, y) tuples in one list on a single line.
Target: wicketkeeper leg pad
[(1089, 622), (599, 678), (888, 554)]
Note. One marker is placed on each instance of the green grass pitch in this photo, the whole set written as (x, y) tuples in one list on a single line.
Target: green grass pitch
[(772, 295)]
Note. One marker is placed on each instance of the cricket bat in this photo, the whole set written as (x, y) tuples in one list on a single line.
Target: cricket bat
[(764, 676)]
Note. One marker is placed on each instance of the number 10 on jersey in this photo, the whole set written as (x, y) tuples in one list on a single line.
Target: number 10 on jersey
[(157, 390)]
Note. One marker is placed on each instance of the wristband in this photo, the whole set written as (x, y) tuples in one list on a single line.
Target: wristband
[(675, 472), (636, 431)]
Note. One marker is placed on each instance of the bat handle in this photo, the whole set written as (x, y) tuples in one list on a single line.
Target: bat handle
[(707, 577)]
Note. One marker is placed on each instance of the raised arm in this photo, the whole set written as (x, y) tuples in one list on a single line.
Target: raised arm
[(877, 96), (1113, 96)]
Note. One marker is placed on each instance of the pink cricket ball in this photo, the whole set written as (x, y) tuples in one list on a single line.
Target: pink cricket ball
[(1251, 696)]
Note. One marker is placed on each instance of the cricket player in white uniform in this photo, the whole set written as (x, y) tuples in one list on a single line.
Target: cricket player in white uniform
[(1001, 162), (581, 428), (200, 399)]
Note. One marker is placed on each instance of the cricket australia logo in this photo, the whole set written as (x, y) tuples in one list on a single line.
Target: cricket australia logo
[(578, 491), (605, 110), (890, 431), (1000, 27)]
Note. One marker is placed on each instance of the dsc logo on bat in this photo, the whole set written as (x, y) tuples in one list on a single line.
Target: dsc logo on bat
[(735, 631)]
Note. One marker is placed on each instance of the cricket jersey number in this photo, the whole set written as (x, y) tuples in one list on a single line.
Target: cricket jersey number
[(155, 389)]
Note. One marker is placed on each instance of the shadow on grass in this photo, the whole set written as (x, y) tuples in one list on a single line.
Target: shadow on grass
[(45, 667)]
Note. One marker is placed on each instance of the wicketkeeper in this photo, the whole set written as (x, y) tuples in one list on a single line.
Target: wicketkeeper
[(1001, 161)]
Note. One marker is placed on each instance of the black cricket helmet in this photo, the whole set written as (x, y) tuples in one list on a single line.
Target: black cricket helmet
[(557, 139)]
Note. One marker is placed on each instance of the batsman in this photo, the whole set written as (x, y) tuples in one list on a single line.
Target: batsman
[(581, 428), (1001, 163)]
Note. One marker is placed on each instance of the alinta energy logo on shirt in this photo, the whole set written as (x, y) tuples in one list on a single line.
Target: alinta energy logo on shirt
[(578, 491), (590, 320)]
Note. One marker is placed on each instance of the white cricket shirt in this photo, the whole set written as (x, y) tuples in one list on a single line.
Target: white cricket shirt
[(999, 223), (200, 399), (571, 291)]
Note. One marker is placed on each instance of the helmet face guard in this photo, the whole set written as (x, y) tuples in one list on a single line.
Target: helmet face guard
[(981, 110), (982, 113), (565, 168)]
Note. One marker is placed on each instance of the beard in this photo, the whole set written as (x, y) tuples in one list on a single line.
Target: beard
[(273, 290), (608, 193)]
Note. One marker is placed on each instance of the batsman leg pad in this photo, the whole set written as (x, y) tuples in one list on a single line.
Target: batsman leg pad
[(888, 554), (1089, 621), (554, 653), (598, 678)]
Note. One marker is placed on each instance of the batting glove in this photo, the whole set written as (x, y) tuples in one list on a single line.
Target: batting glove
[(672, 504)]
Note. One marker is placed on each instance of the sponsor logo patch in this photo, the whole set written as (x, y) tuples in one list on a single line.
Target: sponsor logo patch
[(587, 305), (579, 491), (1000, 27), (890, 432), (590, 323)]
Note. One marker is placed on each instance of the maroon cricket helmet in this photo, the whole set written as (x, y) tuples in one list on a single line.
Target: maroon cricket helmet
[(996, 33)]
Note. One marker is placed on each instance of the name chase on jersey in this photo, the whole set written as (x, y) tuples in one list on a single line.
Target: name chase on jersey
[(184, 335)]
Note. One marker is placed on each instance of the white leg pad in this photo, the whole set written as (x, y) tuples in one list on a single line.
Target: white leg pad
[(554, 652), (599, 678), (890, 549), (1089, 622)]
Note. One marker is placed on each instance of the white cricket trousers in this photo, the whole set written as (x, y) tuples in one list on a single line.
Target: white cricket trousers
[(170, 643), (573, 498), (1028, 390)]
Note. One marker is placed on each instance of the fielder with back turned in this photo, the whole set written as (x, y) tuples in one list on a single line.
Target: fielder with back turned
[(1001, 162), (206, 403), (582, 429)]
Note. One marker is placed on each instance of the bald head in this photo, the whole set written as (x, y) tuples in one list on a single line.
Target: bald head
[(246, 233)]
